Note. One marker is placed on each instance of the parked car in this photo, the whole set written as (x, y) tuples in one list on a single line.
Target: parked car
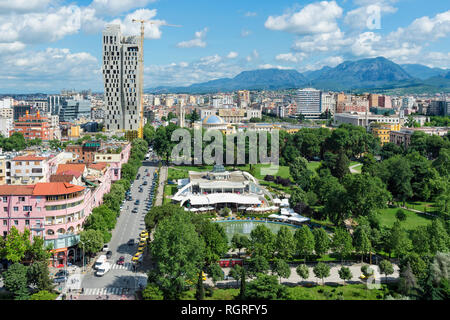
[(137, 202), (145, 183), (61, 273), (135, 210), (109, 254), (105, 247), (60, 279), (121, 260)]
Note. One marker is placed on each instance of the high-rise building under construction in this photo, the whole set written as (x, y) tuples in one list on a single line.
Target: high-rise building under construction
[(121, 69)]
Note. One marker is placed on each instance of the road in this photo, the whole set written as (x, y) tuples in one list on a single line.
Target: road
[(123, 279)]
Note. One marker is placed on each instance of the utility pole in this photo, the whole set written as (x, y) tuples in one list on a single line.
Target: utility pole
[(141, 71)]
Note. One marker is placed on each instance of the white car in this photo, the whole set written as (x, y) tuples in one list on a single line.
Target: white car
[(105, 248), (100, 261), (104, 268)]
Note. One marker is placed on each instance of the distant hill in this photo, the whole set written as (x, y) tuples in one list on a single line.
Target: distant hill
[(264, 79), (423, 72), (361, 75), (364, 73)]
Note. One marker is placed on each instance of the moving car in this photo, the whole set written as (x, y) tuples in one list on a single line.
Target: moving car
[(121, 260), (135, 210), (109, 254), (102, 259), (137, 202), (60, 279), (102, 269)]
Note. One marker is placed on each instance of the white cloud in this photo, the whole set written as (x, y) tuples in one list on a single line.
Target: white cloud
[(270, 66), (290, 57), (204, 69), (8, 6), (196, 42), (332, 61), (11, 47), (128, 27), (47, 69), (50, 26), (232, 55), (250, 14), (332, 41), (253, 56), (318, 17), (114, 7), (358, 19)]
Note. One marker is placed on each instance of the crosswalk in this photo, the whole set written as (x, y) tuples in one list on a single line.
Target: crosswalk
[(106, 291), (125, 266)]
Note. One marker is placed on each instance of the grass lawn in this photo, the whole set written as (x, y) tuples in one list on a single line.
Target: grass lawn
[(413, 220), (422, 206), (313, 165), (347, 292)]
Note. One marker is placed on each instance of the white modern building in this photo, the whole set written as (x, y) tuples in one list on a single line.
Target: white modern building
[(121, 70), (309, 102), (237, 190)]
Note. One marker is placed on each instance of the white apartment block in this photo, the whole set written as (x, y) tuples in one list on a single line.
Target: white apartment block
[(309, 102), (121, 79)]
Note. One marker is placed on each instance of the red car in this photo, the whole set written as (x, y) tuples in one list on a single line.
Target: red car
[(121, 260)]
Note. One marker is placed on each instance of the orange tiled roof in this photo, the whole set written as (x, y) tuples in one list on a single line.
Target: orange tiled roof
[(98, 166), (9, 190), (55, 188), (77, 167), (29, 158)]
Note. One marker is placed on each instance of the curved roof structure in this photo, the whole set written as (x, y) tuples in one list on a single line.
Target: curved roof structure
[(213, 119)]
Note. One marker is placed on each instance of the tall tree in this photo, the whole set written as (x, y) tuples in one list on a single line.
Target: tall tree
[(322, 241), (386, 268), (322, 271), (361, 241), (342, 243), (262, 242), (345, 274), (304, 241), (302, 271), (38, 275), (266, 287), (284, 243), (16, 244), (281, 268), (300, 173), (15, 281), (178, 251)]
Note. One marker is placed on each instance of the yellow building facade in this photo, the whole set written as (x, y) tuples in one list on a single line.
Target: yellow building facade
[(383, 130)]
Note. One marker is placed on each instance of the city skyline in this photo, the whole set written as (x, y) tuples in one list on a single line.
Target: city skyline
[(51, 45)]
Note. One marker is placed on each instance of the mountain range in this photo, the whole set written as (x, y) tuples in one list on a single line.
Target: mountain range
[(368, 75)]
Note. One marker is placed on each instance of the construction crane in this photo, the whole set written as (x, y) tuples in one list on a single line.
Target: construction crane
[(141, 73)]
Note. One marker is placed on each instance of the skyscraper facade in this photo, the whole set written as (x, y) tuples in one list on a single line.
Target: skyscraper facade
[(121, 69), (309, 102)]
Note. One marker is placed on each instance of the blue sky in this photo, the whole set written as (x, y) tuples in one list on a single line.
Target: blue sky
[(49, 45)]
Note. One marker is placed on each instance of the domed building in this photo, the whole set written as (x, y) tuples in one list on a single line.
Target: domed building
[(214, 122)]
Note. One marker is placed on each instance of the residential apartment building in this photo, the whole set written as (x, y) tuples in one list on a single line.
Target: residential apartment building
[(309, 102), (26, 170), (34, 127), (382, 131), (121, 68), (403, 136)]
